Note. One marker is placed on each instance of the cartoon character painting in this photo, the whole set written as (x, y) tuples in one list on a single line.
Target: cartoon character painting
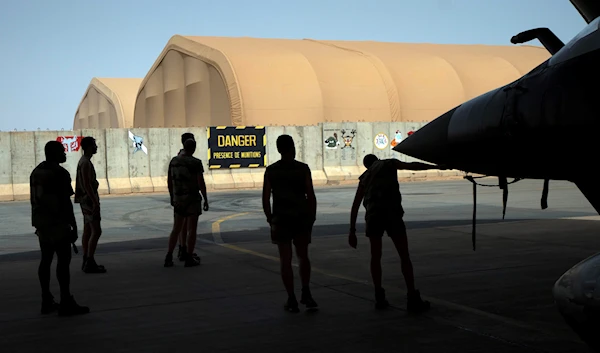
[(138, 143), (397, 139), (332, 142), (348, 138)]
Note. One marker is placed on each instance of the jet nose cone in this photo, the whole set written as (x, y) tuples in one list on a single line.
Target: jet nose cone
[(429, 143)]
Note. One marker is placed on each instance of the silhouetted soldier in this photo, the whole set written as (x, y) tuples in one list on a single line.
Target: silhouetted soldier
[(182, 235), (86, 195), (383, 205), (292, 218), (186, 183), (52, 216)]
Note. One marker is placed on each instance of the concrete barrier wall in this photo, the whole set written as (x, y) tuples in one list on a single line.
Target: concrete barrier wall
[(160, 152), (137, 160), (6, 174), (22, 149), (312, 152), (118, 147)]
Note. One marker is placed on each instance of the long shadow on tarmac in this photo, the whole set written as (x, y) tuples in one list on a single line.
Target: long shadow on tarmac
[(260, 234)]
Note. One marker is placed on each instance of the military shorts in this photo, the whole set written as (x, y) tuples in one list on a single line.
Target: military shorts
[(391, 224), (87, 209), (185, 208), (296, 231), (54, 234)]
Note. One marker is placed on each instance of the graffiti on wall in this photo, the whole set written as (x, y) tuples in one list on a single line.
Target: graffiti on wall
[(138, 143), (348, 138), (340, 144), (332, 142), (70, 143), (348, 149), (411, 128), (381, 141), (397, 139)]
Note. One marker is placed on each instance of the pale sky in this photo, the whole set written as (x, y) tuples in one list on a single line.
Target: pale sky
[(52, 49)]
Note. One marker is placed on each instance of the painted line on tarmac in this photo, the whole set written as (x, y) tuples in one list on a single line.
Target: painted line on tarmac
[(216, 226), (216, 232), (505, 320), (583, 218), (276, 259), (440, 302)]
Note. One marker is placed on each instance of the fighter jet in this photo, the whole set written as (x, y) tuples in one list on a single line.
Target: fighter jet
[(544, 125)]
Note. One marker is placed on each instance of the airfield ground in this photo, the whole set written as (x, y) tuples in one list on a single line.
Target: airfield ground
[(495, 299)]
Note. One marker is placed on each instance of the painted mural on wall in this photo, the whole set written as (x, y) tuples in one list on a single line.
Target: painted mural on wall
[(411, 128), (331, 141), (348, 149), (397, 139), (381, 141), (70, 143), (348, 138), (138, 143), (340, 144)]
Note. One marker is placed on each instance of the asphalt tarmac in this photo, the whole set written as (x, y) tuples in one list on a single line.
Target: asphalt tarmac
[(495, 299)]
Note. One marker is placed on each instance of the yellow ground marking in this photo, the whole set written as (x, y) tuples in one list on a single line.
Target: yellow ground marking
[(216, 226), (439, 302)]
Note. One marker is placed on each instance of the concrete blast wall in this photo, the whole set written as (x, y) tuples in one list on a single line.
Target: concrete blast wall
[(136, 160)]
